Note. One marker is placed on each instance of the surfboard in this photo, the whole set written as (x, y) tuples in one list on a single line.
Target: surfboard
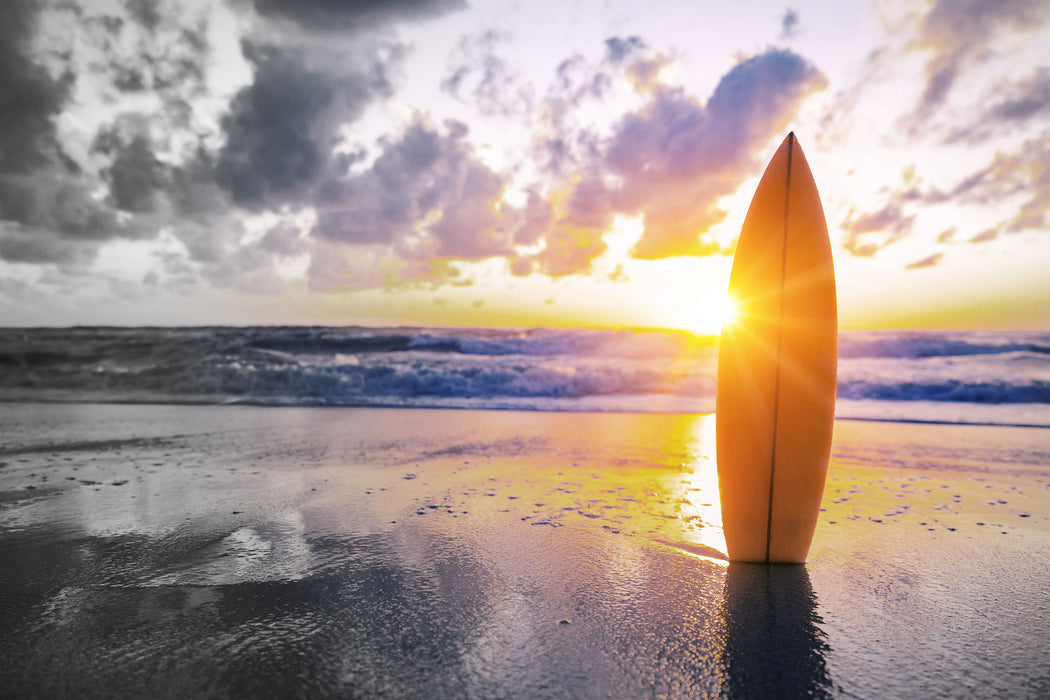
[(777, 364)]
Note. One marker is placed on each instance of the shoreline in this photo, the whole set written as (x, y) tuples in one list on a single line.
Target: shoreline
[(230, 402)]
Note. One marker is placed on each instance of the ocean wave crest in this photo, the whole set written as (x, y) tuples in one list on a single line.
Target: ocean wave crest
[(537, 369)]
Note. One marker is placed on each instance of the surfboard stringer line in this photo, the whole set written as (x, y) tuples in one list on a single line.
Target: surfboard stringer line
[(780, 334)]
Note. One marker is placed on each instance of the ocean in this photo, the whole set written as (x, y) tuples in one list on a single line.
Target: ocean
[(967, 377)]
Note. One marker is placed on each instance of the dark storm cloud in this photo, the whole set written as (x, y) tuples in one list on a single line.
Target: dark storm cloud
[(50, 217), (142, 174), (47, 213), (272, 146), (30, 96), (135, 176), (327, 15), (202, 216)]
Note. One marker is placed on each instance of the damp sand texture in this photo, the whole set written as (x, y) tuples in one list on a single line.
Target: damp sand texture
[(186, 551)]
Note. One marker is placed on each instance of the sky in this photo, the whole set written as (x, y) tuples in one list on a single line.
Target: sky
[(504, 163)]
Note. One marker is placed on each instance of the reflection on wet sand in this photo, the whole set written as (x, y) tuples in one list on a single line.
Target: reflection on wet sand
[(774, 644), (490, 555)]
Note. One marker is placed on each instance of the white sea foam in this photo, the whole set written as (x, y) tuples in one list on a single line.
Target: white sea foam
[(991, 377)]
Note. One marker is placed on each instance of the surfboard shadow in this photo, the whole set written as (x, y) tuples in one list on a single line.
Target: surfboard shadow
[(774, 644)]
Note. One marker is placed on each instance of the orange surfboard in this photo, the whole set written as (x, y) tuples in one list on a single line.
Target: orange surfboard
[(777, 364)]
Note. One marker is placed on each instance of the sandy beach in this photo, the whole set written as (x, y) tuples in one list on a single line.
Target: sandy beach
[(188, 551)]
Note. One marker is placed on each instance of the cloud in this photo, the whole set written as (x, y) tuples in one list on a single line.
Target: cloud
[(1025, 99), (618, 49), (284, 240), (234, 194), (280, 129), (959, 33), (335, 267), (31, 97), (155, 49), (531, 221), (136, 176), (476, 73), (57, 207), (1023, 173), (1016, 181), (676, 156), (788, 24), (669, 161), (426, 195), (146, 161), (987, 235), (1011, 104), (563, 143), (337, 15), (569, 251), (928, 261), (146, 12), (46, 214), (866, 234)]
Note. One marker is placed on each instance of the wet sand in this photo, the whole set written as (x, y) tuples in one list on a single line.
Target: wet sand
[(170, 551)]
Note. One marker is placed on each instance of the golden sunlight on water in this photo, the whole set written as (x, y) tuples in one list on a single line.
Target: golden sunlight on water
[(703, 484), (697, 490)]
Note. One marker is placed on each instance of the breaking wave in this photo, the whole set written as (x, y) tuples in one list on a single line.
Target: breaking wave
[(536, 369)]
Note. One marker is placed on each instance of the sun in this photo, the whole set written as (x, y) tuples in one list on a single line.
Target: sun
[(722, 310), (709, 315)]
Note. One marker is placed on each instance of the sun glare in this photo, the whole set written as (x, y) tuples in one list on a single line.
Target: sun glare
[(715, 311), (723, 310), (702, 313)]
